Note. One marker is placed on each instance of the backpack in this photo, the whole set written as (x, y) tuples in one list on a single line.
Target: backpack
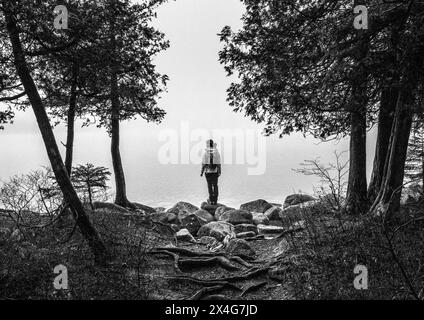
[(211, 165)]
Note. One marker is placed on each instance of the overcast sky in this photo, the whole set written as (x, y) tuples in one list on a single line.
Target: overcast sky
[(196, 97)]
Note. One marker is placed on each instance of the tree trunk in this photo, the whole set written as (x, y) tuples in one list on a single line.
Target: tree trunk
[(357, 201), (121, 195), (70, 196), (385, 122), (90, 197), (388, 199), (71, 119)]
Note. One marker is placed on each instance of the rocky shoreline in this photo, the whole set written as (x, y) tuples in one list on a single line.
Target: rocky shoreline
[(222, 227)]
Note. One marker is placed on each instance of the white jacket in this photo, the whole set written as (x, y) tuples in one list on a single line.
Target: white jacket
[(206, 159)]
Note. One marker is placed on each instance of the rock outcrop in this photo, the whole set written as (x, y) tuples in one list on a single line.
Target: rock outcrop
[(240, 228), (217, 229), (220, 210), (190, 221), (262, 229), (297, 212), (211, 208), (204, 216), (240, 247), (259, 218), (183, 206), (298, 198), (237, 217), (185, 235), (273, 213), (165, 217), (259, 205)]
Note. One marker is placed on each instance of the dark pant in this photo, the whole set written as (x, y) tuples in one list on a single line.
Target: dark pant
[(212, 179)]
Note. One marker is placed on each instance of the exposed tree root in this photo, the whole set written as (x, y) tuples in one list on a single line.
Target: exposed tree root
[(194, 262), (253, 287), (248, 274), (222, 261), (257, 237), (204, 282), (190, 253), (241, 261), (243, 276), (172, 254), (204, 291)]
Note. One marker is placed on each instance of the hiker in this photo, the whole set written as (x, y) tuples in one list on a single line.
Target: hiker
[(211, 166)]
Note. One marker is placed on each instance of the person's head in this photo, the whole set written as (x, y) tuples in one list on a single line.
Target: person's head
[(210, 143)]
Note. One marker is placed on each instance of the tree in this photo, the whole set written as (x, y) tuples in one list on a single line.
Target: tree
[(90, 180), (126, 74), (63, 76), (15, 15), (34, 192), (409, 50), (303, 67), (385, 123), (107, 76), (357, 199)]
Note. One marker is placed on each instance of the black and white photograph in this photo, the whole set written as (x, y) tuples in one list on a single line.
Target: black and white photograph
[(234, 151)]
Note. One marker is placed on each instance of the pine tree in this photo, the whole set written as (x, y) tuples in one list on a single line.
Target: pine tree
[(89, 181)]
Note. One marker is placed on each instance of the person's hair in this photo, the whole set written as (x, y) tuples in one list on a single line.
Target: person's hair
[(210, 143)]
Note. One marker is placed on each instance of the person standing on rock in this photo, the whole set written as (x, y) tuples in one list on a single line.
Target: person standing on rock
[(211, 167)]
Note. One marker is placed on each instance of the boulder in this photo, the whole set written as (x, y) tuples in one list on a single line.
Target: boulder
[(256, 206), (240, 228), (297, 198), (211, 208), (277, 223), (164, 217), (217, 229), (220, 210), (204, 216), (297, 212), (259, 218), (207, 240), (244, 235), (183, 206), (185, 235), (276, 204), (273, 213), (190, 221), (236, 217), (240, 247), (262, 229)]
